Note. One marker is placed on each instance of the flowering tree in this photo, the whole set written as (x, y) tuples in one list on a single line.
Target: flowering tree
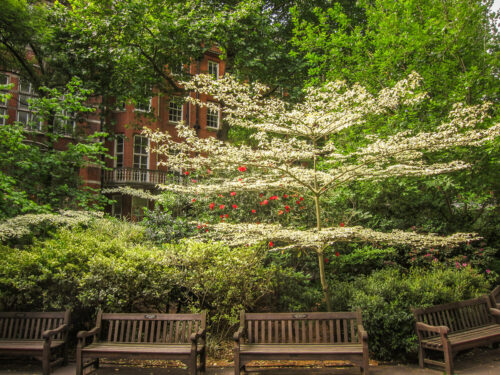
[(294, 150)]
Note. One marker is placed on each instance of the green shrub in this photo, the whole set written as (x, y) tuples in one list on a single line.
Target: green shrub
[(111, 265), (386, 296), (162, 227)]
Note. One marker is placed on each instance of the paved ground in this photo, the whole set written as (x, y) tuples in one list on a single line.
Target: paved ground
[(475, 362)]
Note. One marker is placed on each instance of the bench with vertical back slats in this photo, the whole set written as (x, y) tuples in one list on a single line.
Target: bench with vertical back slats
[(301, 336), (456, 326), (37, 334), (144, 336)]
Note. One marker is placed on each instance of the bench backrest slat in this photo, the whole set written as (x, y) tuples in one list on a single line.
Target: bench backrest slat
[(150, 328), (306, 328), (31, 325), (457, 316)]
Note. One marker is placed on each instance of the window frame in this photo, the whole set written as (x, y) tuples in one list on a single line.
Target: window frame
[(137, 107), (211, 114), (23, 106), (140, 154), (211, 64), (177, 114), (119, 137)]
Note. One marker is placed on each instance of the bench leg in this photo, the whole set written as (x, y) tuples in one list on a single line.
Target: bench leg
[(421, 356), (193, 366), (236, 364), (65, 354), (46, 364), (448, 359), (366, 365), (79, 363), (203, 360)]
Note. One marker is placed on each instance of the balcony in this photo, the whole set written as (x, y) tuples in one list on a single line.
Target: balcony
[(136, 176)]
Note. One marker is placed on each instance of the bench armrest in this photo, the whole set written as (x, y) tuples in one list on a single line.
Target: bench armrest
[(196, 335), (52, 332), (363, 335), (495, 312), (442, 330), (238, 334), (84, 334)]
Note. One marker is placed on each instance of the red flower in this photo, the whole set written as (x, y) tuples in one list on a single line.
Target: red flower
[(222, 206), (261, 195), (301, 198), (206, 230), (186, 173), (285, 196), (221, 196), (342, 225), (337, 254), (193, 200), (209, 171), (242, 168), (212, 205), (264, 202), (199, 227), (194, 181), (235, 206), (222, 216), (280, 212), (326, 260), (233, 193), (253, 211), (287, 208), (273, 198), (298, 202), (271, 244), (226, 216)]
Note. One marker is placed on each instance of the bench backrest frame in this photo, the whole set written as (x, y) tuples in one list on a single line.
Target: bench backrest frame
[(31, 325), (495, 297), (152, 328), (301, 327)]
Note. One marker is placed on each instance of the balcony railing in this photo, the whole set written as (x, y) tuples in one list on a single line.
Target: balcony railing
[(126, 175)]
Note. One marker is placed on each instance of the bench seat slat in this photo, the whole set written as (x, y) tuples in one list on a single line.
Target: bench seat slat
[(270, 349), (134, 348), (17, 345)]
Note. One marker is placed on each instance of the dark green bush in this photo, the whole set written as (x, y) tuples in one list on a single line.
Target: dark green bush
[(386, 296)]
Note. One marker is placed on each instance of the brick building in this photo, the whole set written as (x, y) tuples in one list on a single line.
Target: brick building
[(132, 165)]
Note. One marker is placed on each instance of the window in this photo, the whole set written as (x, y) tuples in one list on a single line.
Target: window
[(119, 143), (141, 158), (65, 123), (4, 80), (24, 114), (213, 69), (143, 107), (174, 112), (213, 118)]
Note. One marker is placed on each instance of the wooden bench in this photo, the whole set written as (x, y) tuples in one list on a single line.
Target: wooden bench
[(301, 336), (144, 336), (38, 334), (456, 326)]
